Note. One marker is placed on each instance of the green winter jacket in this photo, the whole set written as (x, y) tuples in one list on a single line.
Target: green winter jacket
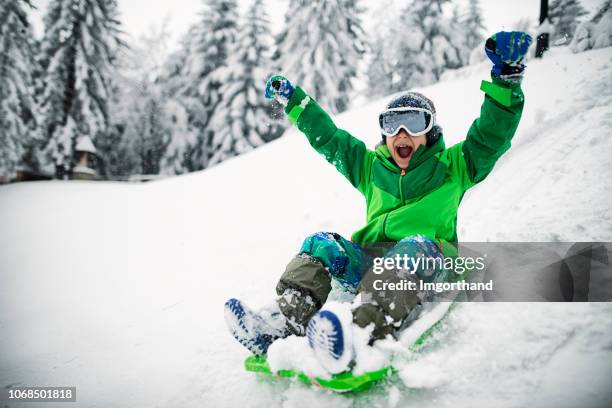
[(425, 200)]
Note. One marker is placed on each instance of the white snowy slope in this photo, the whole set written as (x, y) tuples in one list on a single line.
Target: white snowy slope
[(118, 289)]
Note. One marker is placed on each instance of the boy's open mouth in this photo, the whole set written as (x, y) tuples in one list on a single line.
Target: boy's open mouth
[(403, 151)]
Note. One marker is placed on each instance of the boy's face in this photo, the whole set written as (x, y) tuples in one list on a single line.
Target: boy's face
[(402, 146)]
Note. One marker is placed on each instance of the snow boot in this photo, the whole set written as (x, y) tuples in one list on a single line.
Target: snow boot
[(330, 336), (255, 330)]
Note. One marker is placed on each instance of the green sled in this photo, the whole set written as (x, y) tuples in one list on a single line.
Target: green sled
[(343, 382)]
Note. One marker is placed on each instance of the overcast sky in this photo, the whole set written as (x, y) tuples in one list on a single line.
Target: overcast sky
[(138, 16)]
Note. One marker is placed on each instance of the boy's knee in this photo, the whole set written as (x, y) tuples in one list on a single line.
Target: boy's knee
[(419, 242), (318, 239), (425, 259), (327, 247)]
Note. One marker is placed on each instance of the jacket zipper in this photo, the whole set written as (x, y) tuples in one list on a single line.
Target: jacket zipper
[(403, 173), (384, 226)]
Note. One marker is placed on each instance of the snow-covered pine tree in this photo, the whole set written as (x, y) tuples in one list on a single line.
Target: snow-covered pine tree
[(602, 30), (141, 126), (456, 25), (431, 43), (384, 24), (564, 15), (603, 9), (140, 130), (200, 91), (150, 132), (473, 26), (78, 55), (380, 71), (17, 105), (595, 33), (241, 120), (183, 133), (320, 47), (177, 155)]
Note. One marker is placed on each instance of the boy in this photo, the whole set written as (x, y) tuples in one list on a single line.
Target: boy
[(413, 187)]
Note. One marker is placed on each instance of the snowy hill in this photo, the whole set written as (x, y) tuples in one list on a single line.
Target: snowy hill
[(118, 289)]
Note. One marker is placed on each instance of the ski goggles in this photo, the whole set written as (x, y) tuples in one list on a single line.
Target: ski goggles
[(415, 121)]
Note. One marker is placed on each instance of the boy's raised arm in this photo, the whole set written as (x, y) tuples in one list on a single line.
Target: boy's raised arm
[(348, 154), (490, 135)]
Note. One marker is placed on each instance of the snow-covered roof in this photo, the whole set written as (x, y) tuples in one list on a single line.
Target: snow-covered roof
[(84, 144), (83, 169)]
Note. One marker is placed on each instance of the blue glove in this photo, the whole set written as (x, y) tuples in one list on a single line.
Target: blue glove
[(279, 88), (507, 51)]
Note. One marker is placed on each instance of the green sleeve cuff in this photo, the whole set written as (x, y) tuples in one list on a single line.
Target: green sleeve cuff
[(500, 94), (500, 90), (294, 107)]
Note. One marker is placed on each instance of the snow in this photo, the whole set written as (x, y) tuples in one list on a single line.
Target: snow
[(118, 289)]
